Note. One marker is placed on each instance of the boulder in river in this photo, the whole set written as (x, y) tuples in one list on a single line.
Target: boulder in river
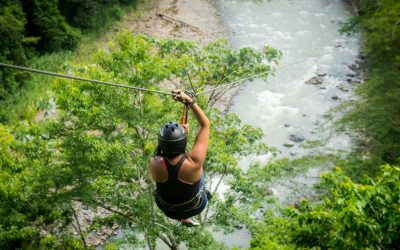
[(335, 97), (288, 144), (354, 80), (296, 138), (315, 80), (342, 88), (354, 67)]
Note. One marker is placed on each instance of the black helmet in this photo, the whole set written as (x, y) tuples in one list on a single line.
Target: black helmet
[(171, 140)]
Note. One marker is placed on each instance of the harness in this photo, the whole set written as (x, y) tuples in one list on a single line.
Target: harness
[(166, 193), (191, 204)]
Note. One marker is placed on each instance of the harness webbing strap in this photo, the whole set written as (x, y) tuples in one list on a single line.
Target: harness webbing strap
[(183, 203)]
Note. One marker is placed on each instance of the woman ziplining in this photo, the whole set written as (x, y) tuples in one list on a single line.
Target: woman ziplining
[(180, 188)]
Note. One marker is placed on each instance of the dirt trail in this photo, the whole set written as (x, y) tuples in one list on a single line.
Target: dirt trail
[(194, 20)]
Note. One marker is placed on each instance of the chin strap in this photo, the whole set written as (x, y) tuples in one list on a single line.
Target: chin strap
[(187, 106)]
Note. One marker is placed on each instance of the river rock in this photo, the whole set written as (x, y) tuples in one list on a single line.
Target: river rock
[(238, 227), (357, 81), (288, 144), (315, 80), (286, 125), (269, 191), (296, 138), (342, 88), (335, 97), (362, 57), (321, 74), (354, 67)]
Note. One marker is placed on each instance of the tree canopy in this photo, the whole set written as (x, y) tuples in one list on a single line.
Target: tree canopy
[(352, 216), (30, 28), (376, 114), (96, 150)]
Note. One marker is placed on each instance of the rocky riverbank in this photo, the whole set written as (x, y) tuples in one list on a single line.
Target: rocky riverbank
[(193, 20)]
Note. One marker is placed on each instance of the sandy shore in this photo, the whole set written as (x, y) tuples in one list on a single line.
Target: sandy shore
[(194, 20)]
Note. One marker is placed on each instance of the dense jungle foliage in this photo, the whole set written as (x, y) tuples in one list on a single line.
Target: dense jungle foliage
[(351, 216), (95, 151), (376, 114), (31, 28)]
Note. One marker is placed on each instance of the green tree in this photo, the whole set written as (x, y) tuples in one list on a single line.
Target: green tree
[(93, 14), (46, 22), (376, 114), (97, 150), (352, 216), (27, 187), (13, 45)]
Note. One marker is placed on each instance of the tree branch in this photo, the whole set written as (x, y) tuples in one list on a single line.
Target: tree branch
[(117, 212), (216, 188), (79, 226), (165, 240), (191, 84)]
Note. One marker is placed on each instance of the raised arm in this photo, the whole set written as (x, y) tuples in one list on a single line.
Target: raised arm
[(199, 150)]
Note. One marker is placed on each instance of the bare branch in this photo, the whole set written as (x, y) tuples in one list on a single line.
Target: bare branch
[(165, 240), (79, 227)]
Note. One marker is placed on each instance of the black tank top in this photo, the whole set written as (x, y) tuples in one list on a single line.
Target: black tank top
[(174, 191)]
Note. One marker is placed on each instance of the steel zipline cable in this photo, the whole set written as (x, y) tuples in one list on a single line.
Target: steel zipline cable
[(38, 71), (250, 77), (82, 79)]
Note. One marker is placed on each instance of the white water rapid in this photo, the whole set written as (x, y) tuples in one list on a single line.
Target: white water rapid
[(285, 107)]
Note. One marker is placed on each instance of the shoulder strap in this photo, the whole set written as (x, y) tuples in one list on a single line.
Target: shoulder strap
[(179, 164), (173, 170), (164, 165)]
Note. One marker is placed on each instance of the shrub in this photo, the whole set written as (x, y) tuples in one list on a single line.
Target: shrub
[(12, 27), (46, 22), (352, 216)]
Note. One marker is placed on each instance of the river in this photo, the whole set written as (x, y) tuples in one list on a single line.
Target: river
[(285, 107), (306, 32)]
